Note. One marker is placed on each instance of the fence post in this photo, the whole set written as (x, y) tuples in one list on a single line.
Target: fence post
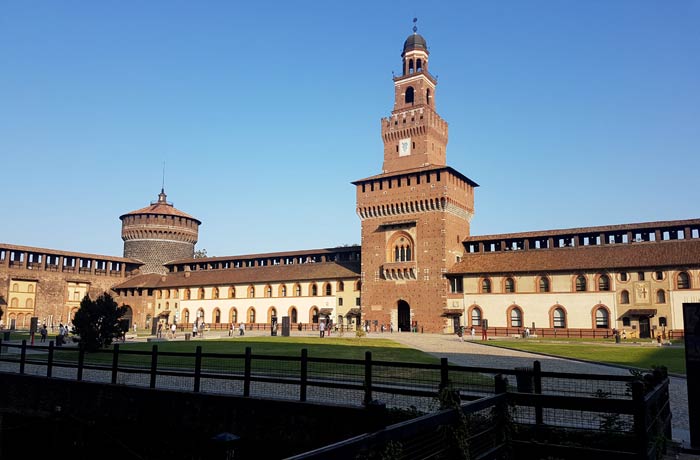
[(304, 374), (247, 372), (115, 363), (49, 360), (500, 383), (0, 349), (154, 365), (81, 362), (640, 425), (444, 376), (368, 378), (23, 357), (197, 368), (537, 374)]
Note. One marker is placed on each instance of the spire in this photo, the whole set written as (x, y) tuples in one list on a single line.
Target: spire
[(415, 26)]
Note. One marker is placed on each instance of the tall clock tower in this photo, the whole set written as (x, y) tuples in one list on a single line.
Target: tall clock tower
[(414, 214)]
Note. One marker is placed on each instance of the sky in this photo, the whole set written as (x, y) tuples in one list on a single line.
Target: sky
[(567, 113)]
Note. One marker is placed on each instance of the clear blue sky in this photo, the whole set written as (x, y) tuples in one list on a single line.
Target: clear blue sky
[(567, 113)]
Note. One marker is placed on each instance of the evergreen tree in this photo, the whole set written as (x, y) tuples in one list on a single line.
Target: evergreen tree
[(97, 322)]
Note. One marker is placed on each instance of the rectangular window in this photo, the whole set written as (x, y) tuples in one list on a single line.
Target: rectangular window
[(626, 321), (340, 302), (357, 301), (640, 275), (659, 275)]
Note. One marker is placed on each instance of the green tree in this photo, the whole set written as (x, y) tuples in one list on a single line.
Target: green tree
[(97, 322)]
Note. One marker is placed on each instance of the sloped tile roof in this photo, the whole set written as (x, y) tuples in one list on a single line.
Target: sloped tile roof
[(267, 274), (676, 253)]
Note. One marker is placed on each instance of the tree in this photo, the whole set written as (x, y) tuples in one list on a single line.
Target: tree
[(200, 254), (97, 322)]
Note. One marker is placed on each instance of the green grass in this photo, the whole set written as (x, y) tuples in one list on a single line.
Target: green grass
[(643, 357)]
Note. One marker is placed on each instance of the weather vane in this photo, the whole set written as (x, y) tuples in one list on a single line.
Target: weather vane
[(415, 27)]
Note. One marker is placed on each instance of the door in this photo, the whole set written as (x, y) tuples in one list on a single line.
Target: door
[(404, 316), (644, 330)]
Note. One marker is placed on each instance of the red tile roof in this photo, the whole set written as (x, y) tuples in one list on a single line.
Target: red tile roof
[(268, 274), (269, 255), (676, 253), (161, 209), (407, 172)]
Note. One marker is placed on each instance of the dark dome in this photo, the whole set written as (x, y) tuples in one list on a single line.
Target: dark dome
[(415, 42)]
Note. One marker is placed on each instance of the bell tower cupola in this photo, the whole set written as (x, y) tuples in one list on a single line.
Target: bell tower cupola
[(414, 135)]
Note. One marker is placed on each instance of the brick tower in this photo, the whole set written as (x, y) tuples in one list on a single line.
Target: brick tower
[(159, 233), (416, 213)]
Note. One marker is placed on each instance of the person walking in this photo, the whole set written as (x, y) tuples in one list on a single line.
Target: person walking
[(173, 329), (194, 330), (322, 328), (44, 332), (230, 330), (241, 328), (473, 331)]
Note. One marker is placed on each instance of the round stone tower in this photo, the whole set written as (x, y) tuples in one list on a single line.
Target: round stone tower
[(158, 234)]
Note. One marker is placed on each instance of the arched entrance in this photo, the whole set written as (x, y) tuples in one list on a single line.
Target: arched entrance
[(404, 316), (128, 317)]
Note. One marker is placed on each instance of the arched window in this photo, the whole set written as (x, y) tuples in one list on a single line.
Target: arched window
[(217, 316), (341, 286), (328, 289), (271, 313), (602, 318), (232, 292), (486, 285), (200, 295), (580, 283), (624, 297), (15, 287), (186, 315), (476, 316), (268, 291), (283, 290), (683, 280), (400, 248), (419, 65), (409, 95), (215, 293), (313, 315), (251, 291), (410, 66), (29, 304), (660, 296), (543, 284), (166, 292), (188, 293), (558, 318), (233, 315), (509, 285), (516, 317), (30, 288), (358, 285), (428, 97), (200, 315), (314, 289), (604, 283), (293, 315), (14, 303), (297, 290), (251, 315)]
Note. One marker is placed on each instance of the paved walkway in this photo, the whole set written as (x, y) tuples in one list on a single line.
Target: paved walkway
[(470, 353)]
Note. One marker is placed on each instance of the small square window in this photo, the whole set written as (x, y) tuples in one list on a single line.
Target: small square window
[(659, 275), (640, 275)]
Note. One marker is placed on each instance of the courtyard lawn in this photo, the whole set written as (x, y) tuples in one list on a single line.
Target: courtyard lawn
[(638, 356)]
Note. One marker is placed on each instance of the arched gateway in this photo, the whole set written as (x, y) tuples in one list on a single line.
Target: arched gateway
[(404, 316)]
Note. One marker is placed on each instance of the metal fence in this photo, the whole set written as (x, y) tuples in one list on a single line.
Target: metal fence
[(619, 407)]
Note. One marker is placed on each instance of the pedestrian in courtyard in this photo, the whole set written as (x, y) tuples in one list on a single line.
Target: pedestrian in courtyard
[(173, 328), (230, 330), (473, 331), (159, 331), (241, 328), (460, 333), (391, 327), (322, 328), (194, 330), (44, 332)]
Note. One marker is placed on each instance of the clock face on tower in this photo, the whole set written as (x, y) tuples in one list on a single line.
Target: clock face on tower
[(405, 147)]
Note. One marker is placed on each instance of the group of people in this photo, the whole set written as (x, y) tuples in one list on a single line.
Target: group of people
[(460, 333), (169, 330), (62, 336)]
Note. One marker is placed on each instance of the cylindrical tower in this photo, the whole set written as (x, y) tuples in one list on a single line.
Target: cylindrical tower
[(158, 234)]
